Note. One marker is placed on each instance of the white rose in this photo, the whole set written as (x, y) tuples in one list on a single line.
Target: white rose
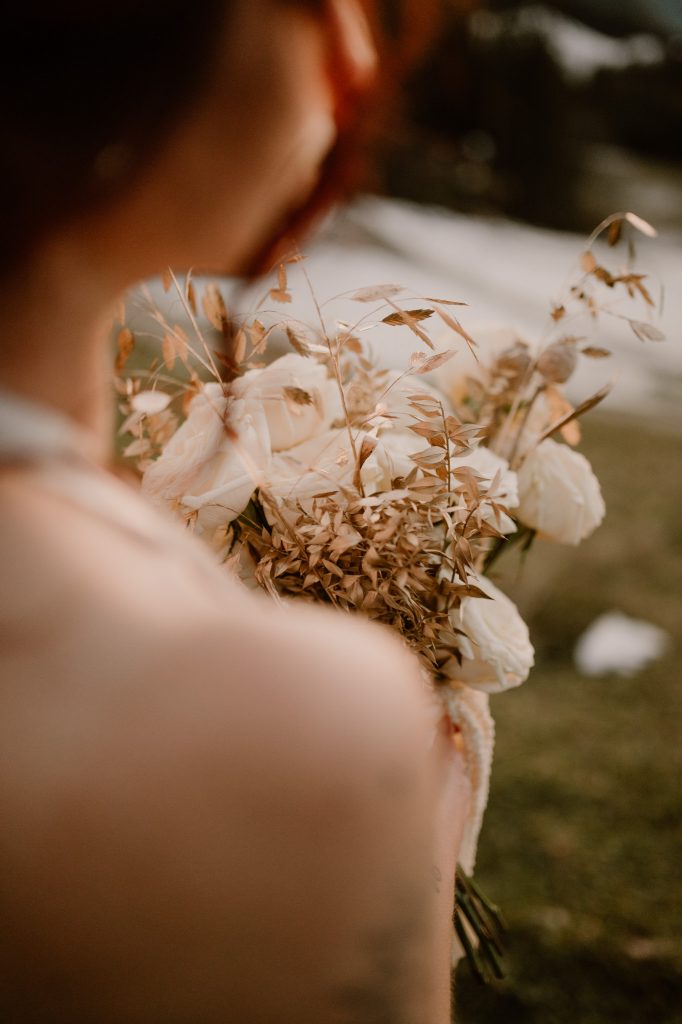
[(204, 470), (325, 464), (559, 495), (241, 563), (488, 465), (533, 424), (319, 465), (391, 459), (452, 378), (288, 422), (498, 654)]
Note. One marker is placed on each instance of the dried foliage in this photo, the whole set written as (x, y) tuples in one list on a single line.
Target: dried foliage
[(411, 552), (406, 556)]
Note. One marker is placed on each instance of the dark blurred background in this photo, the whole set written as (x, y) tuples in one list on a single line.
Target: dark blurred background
[(541, 110)]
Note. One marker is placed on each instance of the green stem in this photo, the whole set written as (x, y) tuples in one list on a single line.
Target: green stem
[(486, 922)]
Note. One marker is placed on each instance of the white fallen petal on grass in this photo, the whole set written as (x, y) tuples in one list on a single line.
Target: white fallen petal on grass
[(617, 644)]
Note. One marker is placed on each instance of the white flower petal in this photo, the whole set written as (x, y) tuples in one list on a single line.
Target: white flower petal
[(500, 654), (205, 469), (559, 495), (290, 425)]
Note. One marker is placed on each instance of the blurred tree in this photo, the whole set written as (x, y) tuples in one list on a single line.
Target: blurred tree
[(643, 108), (495, 120), (624, 17)]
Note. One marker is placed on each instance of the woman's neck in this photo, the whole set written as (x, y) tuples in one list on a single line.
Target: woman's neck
[(55, 327)]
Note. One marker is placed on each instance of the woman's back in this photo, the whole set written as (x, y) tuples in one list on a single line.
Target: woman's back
[(213, 807)]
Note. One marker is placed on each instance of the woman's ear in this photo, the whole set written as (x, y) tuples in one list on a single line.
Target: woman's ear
[(353, 56), (351, 73)]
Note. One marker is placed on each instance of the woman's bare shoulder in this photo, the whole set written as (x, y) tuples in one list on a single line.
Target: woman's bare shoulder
[(107, 615), (245, 790), (321, 701)]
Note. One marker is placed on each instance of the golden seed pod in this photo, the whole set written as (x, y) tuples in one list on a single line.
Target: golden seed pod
[(514, 361), (558, 361)]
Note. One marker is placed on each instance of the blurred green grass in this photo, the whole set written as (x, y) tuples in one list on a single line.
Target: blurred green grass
[(582, 845)]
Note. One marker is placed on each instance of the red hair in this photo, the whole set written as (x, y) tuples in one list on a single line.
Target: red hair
[(361, 110)]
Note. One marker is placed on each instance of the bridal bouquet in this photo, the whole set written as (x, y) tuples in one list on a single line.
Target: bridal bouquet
[(328, 476)]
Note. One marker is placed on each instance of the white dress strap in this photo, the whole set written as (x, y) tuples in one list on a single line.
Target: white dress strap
[(31, 432), (60, 457)]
